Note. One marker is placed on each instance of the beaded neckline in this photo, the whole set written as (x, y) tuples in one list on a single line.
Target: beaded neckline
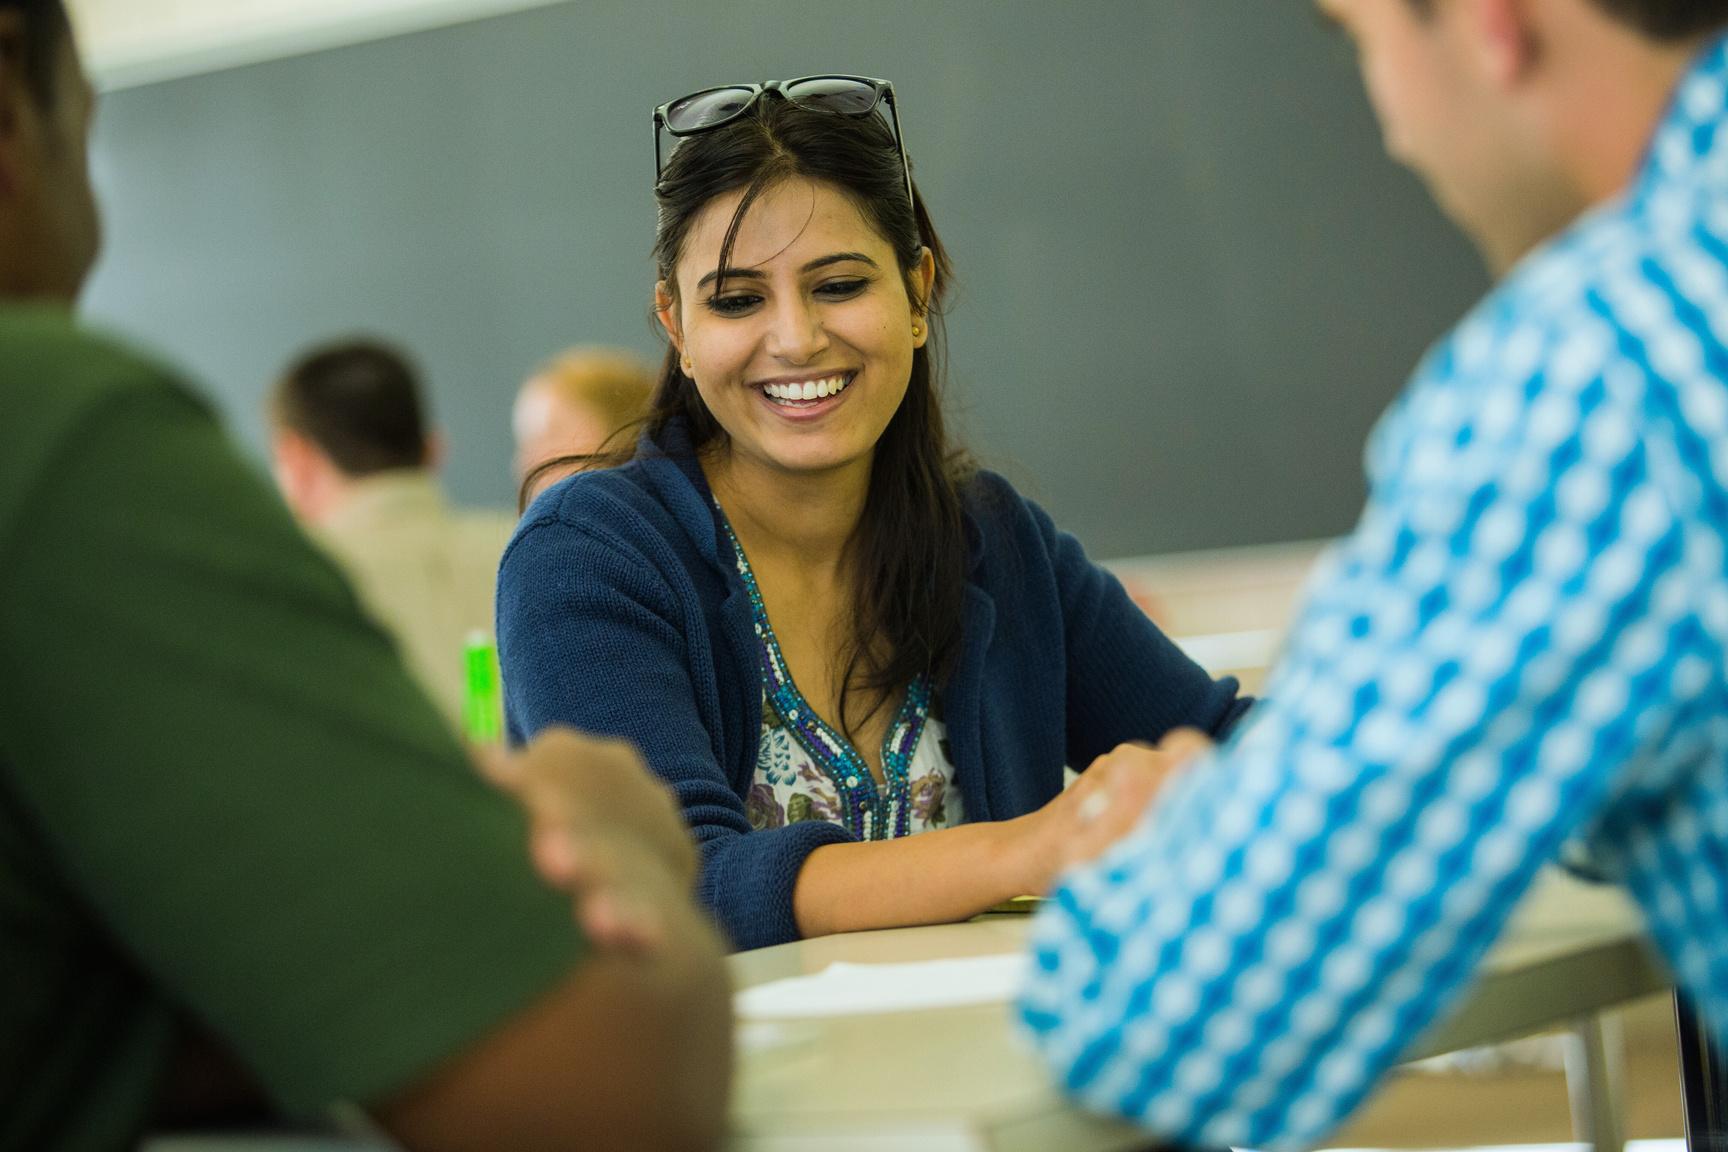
[(868, 812)]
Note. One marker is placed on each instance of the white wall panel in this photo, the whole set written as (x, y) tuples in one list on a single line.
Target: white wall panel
[(1189, 279), (131, 42)]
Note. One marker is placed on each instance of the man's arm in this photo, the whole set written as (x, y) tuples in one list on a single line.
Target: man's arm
[(629, 1052), (1509, 633), (632, 1050), (252, 798)]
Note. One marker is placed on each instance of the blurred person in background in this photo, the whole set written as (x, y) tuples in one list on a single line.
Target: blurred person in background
[(1517, 658), (246, 872), (356, 462), (571, 407)]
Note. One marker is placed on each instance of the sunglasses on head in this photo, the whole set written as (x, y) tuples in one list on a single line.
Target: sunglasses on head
[(710, 108)]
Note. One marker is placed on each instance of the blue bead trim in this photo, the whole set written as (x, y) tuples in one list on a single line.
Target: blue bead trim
[(868, 812)]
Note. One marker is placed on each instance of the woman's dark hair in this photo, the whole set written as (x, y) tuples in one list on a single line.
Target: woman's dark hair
[(908, 554)]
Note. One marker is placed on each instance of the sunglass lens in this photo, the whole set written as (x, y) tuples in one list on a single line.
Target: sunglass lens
[(833, 94), (704, 108)]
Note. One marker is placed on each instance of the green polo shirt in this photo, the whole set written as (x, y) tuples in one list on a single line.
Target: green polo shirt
[(222, 800)]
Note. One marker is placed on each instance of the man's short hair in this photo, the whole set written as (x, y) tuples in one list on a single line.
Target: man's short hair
[(46, 28), (359, 402), (1669, 19), (1666, 20)]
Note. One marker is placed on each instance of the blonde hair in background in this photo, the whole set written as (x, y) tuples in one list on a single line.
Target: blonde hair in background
[(582, 401), (613, 383)]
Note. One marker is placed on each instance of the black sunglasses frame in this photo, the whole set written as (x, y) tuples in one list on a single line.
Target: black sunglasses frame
[(882, 88)]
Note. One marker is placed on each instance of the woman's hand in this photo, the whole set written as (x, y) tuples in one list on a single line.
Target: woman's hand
[(1106, 802), (953, 873), (605, 829)]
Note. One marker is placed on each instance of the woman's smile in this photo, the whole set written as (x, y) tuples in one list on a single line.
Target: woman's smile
[(806, 398)]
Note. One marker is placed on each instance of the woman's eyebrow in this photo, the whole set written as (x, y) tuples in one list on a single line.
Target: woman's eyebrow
[(837, 258), (758, 274), (731, 273)]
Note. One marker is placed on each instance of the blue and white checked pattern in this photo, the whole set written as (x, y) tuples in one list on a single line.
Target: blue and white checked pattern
[(1522, 645)]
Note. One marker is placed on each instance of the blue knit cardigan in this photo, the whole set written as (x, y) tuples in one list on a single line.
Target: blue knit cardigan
[(620, 611)]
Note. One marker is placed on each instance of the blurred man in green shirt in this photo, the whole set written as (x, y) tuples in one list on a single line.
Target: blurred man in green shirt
[(245, 870)]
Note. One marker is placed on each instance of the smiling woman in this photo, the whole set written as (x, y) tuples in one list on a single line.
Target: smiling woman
[(822, 624)]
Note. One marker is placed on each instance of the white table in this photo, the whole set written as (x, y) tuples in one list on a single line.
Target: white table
[(961, 1079)]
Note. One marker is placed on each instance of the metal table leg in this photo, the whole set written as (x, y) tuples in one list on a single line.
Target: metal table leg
[(1596, 1082), (1703, 1081)]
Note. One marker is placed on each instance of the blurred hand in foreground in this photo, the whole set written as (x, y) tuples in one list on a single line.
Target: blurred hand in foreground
[(1118, 787), (603, 828)]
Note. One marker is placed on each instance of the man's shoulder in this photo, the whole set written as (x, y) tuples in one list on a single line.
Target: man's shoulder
[(51, 366), (1620, 279), (1649, 257), (54, 376)]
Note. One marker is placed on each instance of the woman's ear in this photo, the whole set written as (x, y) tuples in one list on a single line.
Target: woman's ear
[(924, 280), (666, 310)]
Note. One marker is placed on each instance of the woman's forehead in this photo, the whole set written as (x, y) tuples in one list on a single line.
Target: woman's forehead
[(786, 225)]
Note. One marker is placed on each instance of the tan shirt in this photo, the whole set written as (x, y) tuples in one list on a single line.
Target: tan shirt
[(424, 571)]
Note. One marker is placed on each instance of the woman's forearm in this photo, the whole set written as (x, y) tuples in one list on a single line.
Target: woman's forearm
[(930, 878)]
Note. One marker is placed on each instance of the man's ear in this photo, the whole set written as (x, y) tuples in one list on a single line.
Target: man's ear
[(19, 106), (1506, 39), (436, 452), (286, 446), (288, 464), (666, 310)]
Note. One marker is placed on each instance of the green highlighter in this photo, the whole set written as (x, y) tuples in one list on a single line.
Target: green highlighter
[(482, 697)]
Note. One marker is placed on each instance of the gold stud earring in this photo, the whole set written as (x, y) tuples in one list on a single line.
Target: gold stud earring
[(917, 330)]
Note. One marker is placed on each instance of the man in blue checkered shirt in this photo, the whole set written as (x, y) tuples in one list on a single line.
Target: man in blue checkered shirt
[(1520, 649)]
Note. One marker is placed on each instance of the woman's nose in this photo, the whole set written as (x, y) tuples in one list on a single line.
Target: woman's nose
[(795, 333)]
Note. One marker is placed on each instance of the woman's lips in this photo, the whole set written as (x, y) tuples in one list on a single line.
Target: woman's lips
[(804, 399), (805, 391)]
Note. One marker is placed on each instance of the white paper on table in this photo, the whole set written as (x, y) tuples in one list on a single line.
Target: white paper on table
[(843, 989)]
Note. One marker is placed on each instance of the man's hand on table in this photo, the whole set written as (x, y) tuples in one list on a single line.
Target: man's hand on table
[(1118, 787), (605, 829)]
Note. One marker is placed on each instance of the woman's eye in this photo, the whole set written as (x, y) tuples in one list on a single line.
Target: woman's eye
[(733, 305), (841, 289)]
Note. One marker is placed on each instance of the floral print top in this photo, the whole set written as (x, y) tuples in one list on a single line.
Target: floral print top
[(790, 787), (805, 770)]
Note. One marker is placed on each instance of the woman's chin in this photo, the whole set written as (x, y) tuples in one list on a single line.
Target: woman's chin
[(810, 454)]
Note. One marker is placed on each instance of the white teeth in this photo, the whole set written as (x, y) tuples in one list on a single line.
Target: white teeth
[(806, 390)]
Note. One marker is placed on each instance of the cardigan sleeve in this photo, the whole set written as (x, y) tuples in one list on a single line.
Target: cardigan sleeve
[(1126, 679), (594, 636)]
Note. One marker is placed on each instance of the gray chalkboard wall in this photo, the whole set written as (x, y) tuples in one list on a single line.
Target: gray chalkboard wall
[(1190, 280)]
